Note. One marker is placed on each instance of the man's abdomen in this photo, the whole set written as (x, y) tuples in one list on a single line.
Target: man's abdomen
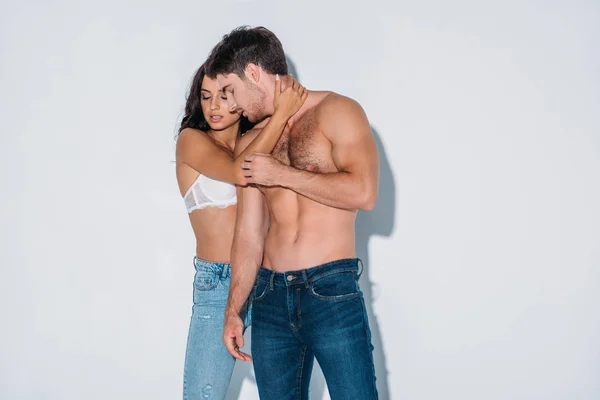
[(303, 234)]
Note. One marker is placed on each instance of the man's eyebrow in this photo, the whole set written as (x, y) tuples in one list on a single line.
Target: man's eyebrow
[(224, 88)]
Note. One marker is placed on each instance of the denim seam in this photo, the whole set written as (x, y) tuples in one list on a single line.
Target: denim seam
[(295, 327), (299, 382), (295, 332), (185, 372), (326, 274), (299, 315), (348, 296), (370, 345)]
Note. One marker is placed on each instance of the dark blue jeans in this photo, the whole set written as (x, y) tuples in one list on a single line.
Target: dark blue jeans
[(316, 312)]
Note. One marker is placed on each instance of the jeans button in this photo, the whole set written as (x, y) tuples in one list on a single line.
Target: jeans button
[(290, 278)]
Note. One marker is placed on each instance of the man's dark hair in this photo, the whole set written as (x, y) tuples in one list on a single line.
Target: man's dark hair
[(245, 45)]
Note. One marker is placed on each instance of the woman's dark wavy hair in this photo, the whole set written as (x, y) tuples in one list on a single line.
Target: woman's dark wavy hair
[(194, 117)]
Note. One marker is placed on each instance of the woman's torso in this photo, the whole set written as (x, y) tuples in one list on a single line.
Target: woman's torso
[(213, 222)]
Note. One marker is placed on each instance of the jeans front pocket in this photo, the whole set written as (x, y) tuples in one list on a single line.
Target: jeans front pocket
[(261, 288), (206, 278), (336, 286)]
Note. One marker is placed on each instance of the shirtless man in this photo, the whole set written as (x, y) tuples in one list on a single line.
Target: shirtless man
[(293, 247)]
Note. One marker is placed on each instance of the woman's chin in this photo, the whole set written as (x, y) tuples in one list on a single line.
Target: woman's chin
[(219, 126)]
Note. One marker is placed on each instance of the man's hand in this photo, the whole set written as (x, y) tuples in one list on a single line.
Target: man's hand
[(233, 337), (263, 169)]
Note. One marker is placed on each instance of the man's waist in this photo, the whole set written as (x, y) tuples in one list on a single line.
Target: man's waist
[(291, 258), (310, 274)]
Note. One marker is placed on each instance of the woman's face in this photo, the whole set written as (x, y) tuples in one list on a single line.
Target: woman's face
[(214, 106)]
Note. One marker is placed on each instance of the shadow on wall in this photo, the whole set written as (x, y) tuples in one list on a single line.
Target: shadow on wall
[(378, 222), (292, 68)]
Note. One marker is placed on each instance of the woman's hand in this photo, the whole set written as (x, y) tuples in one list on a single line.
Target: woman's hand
[(288, 101)]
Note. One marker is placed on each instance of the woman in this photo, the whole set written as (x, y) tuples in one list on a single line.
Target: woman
[(206, 174)]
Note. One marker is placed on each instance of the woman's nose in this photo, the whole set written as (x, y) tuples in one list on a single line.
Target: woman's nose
[(215, 104)]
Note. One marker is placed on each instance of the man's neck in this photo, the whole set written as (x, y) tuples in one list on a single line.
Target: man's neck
[(262, 123)]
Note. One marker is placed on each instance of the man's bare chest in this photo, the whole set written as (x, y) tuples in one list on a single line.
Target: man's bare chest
[(304, 146)]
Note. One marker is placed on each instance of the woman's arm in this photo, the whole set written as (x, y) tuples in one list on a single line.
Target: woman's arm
[(202, 154)]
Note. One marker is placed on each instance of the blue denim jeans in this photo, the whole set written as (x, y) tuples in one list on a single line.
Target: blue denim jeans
[(208, 365), (298, 316)]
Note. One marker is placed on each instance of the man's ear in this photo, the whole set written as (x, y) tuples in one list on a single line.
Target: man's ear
[(253, 72)]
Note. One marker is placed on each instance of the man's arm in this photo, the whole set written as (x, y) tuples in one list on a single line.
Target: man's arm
[(354, 154), (246, 258)]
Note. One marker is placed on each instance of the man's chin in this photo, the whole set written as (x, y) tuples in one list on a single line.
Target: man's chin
[(256, 118)]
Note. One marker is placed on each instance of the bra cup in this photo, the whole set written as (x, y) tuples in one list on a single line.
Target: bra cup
[(206, 192), (216, 191)]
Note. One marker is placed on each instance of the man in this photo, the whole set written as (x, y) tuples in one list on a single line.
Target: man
[(296, 219)]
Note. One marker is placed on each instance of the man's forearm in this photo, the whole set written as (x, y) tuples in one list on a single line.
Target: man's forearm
[(245, 263), (338, 189), (242, 282)]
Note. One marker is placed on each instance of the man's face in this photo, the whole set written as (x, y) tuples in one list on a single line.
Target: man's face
[(244, 96)]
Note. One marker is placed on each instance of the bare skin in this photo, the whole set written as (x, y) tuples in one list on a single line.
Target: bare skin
[(212, 155), (323, 169)]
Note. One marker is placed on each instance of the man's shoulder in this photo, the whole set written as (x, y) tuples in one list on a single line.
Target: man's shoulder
[(333, 102), (336, 113)]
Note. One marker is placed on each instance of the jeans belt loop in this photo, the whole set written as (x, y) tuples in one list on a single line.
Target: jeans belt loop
[(271, 280), (305, 277), (225, 271)]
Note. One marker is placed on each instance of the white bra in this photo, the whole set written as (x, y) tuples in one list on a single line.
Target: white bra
[(206, 192)]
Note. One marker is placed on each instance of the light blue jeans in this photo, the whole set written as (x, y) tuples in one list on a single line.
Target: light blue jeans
[(208, 365)]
